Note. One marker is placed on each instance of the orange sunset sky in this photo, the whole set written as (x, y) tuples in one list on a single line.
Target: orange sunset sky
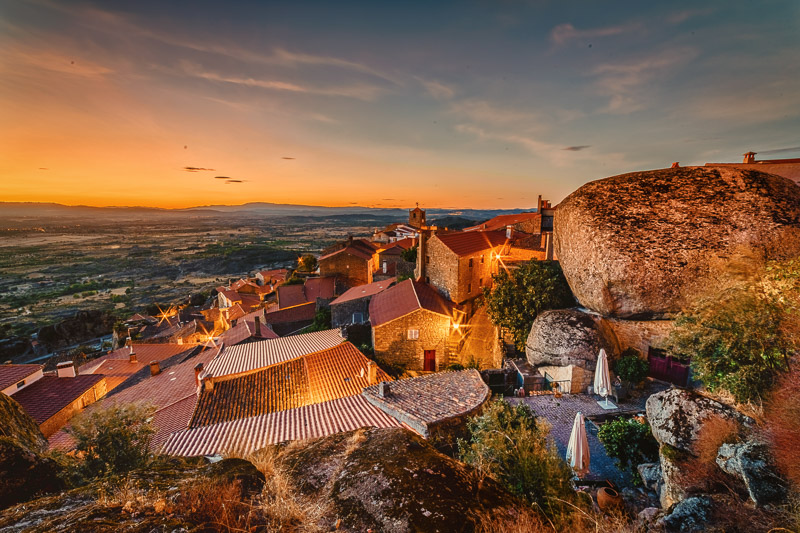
[(457, 104)]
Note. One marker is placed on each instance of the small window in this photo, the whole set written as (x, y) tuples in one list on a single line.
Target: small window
[(21, 384), (470, 262), (358, 318), (384, 267), (480, 282), (482, 257), (413, 334), (469, 288), (427, 259)]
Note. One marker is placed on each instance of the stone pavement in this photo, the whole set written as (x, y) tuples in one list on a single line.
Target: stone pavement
[(560, 413)]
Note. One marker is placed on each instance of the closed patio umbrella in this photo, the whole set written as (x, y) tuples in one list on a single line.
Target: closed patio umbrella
[(578, 447), (602, 380)]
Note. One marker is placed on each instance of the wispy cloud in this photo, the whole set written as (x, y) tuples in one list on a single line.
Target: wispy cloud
[(566, 33), (437, 89), (197, 169), (54, 62), (682, 16), (622, 82), (576, 148)]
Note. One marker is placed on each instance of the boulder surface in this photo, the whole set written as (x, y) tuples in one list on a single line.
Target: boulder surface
[(568, 337), (751, 462), (639, 245)]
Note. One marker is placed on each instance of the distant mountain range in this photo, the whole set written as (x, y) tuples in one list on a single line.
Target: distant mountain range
[(254, 209)]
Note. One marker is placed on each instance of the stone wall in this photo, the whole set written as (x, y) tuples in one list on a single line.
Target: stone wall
[(342, 314), (60, 419), (350, 271), (453, 276), (639, 334), (441, 268), (580, 378), (392, 344)]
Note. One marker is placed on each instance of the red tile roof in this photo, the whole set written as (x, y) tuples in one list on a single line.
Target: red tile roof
[(323, 288), (338, 372), (350, 250), (404, 298), (291, 295), (298, 313), (50, 394), (117, 371), (364, 291), (234, 312), (244, 330), (464, 243), (246, 435), (397, 247), (501, 221), (11, 374), (144, 354)]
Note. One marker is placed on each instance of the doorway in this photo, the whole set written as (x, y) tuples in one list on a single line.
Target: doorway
[(430, 361)]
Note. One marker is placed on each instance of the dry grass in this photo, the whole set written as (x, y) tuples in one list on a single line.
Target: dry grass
[(218, 506), (782, 427), (575, 520)]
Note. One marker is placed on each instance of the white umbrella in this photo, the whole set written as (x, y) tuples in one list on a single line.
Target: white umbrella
[(602, 381), (578, 447)]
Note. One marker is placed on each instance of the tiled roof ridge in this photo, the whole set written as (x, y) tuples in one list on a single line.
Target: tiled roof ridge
[(414, 288)]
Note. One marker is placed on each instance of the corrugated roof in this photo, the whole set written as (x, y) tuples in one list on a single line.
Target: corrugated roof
[(244, 330), (404, 298), (261, 354), (338, 372), (11, 374), (363, 291), (249, 434), (50, 394), (172, 418), (464, 243)]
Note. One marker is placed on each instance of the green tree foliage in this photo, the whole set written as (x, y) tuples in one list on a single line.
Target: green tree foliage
[(631, 368), (409, 255), (113, 439), (509, 444), (518, 296), (307, 263), (294, 280), (322, 320), (739, 340), (629, 442)]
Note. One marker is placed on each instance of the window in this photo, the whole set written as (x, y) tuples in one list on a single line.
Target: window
[(413, 334), (480, 282), (470, 262), (469, 288), (358, 318), (384, 267), (481, 259), (21, 384)]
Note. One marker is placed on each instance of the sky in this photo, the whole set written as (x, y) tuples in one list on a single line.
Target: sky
[(484, 104)]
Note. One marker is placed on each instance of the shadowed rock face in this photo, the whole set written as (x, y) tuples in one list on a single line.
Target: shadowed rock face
[(568, 337), (639, 245)]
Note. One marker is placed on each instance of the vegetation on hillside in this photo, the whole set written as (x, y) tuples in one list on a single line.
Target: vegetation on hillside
[(519, 296), (630, 442)]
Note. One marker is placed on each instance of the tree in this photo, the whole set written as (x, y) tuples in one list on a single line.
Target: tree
[(631, 368), (518, 296), (511, 445), (113, 439), (409, 255), (740, 338), (307, 263), (322, 320)]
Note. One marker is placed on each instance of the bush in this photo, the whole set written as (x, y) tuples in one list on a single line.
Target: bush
[(509, 444), (631, 368), (518, 297), (113, 439), (630, 442), (322, 320), (782, 427), (409, 255), (307, 263)]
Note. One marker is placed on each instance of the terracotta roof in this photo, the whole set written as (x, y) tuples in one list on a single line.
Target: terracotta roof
[(117, 371), (244, 330), (144, 354), (50, 394), (249, 300), (234, 312), (397, 247), (138, 317), (11, 374), (319, 288), (404, 298), (501, 221), (299, 313), (359, 252), (464, 243), (364, 291), (231, 295), (174, 417), (308, 422), (275, 274), (253, 356), (291, 295), (432, 398)]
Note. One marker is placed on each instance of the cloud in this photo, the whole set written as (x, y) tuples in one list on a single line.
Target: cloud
[(622, 81), (438, 90), (487, 112), (566, 33), (290, 158), (781, 150), (197, 169), (55, 62), (682, 16), (235, 181), (577, 148), (221, 178)]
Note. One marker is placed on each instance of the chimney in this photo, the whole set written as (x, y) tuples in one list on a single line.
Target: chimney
[(372, 373), (675, 165), (155, 368), (258, 326), (383, 389), (509, 232), (66, 369), (198, 369), (132, 356), (750, 157)]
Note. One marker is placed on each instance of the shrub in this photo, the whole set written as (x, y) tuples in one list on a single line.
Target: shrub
[(322, 320), (782, 427), (518, 297), (409, 255), (631, 368), (509, 444), (307, 263), (629, 442), (113, 439)]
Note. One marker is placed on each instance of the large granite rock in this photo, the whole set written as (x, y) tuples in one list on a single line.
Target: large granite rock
[(568, 337), (638, 245), (751, 462), (689, 515), (676, 417)]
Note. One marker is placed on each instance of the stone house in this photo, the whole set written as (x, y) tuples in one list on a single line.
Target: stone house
[(351, 265), (460, 264), (352, 307), (391, 255), (414, 326)]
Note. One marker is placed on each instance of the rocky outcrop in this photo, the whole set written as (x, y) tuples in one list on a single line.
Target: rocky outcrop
[(24, 470), (651, 476), (751, 462), (676, 417), (638, 244), (568, 337), (691, 514), (84, 326)]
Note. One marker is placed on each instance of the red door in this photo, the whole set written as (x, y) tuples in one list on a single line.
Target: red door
[(430, 361)]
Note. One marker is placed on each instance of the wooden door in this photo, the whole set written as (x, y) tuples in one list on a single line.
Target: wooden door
[(430, 361), (667, 368)]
